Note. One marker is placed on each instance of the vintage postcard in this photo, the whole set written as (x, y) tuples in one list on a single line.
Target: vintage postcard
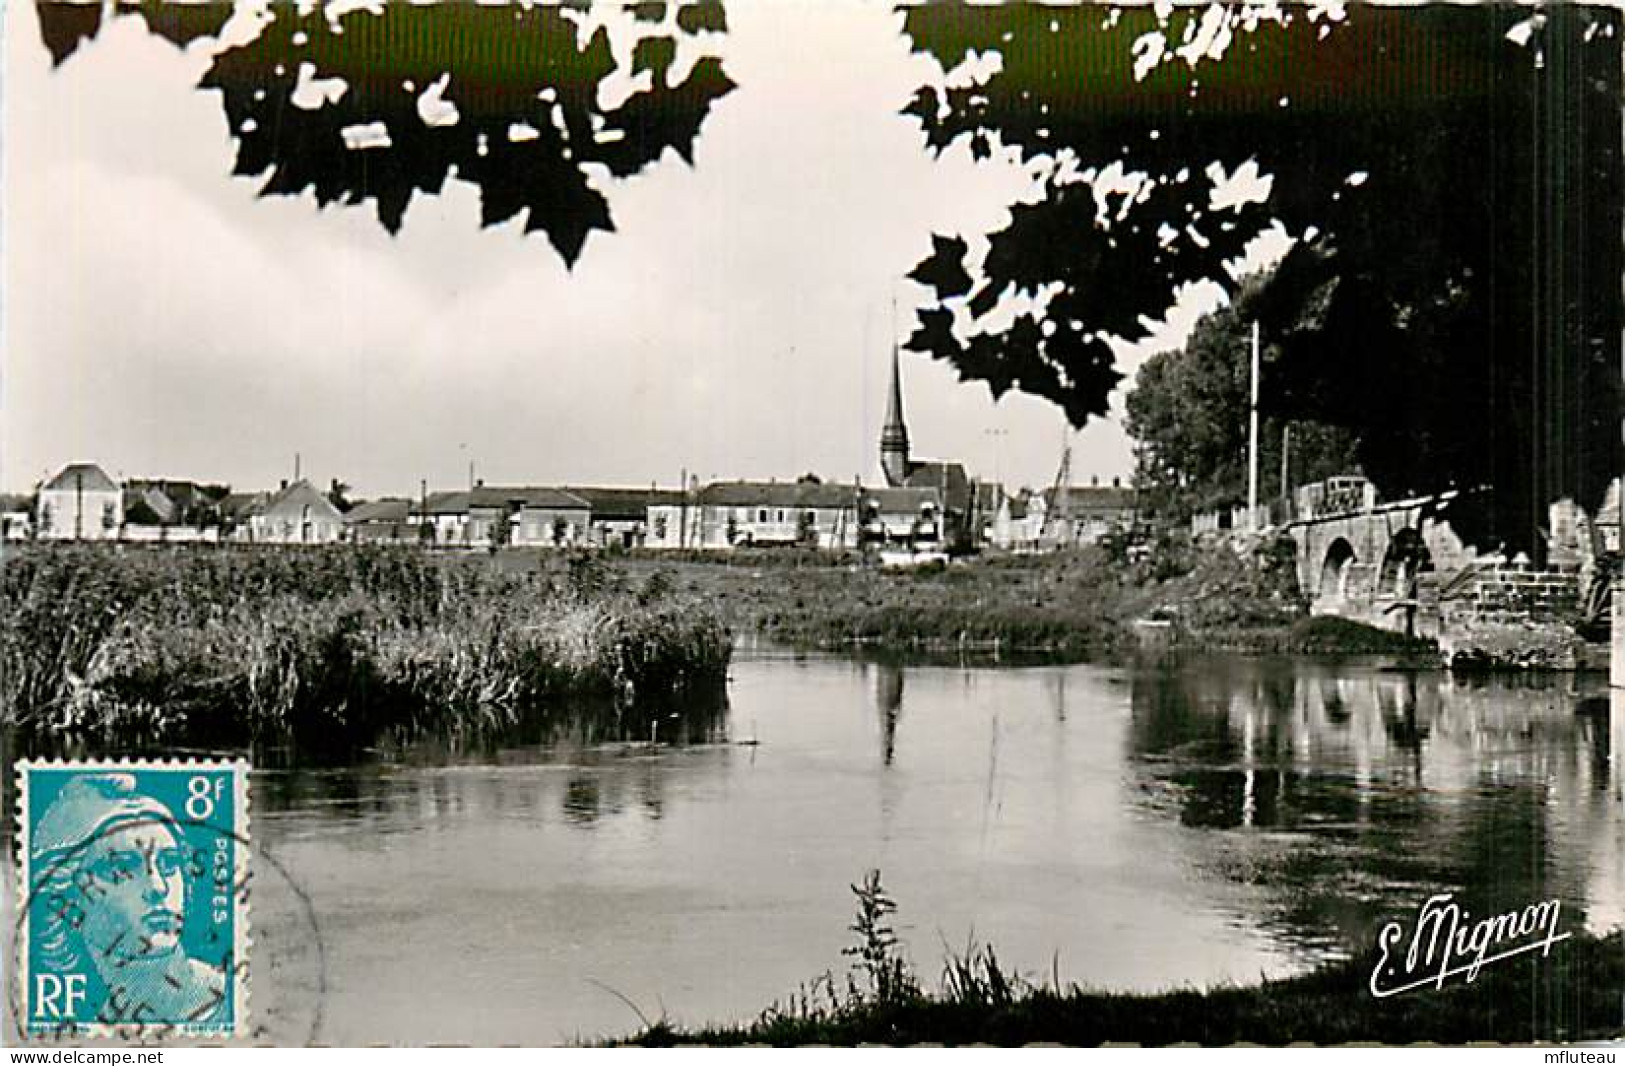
[(811, 522)]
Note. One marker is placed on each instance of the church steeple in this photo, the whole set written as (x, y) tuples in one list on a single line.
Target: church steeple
[(894, 435)]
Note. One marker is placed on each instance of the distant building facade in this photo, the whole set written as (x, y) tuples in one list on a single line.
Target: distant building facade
[(385, 521), (738, 514), (297, 514), (622, 517), (1082, 514), (80, 503)]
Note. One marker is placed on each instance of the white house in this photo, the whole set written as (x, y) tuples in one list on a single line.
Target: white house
[(80, 503), (298, 514), (728, 514)]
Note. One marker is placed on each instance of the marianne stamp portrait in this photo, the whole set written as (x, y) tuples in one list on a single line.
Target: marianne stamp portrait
[(134, 882)]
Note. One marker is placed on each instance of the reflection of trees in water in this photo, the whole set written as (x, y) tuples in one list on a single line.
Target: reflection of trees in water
[(418, 782), (582, 799), (889, 705), (1349, 798), (581, 787)]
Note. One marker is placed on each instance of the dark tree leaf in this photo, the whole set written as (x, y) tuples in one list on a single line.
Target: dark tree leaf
[(935, 336), (656, 55), (707, 17), (945, 270), (504, 97), (181, 23), (65, 26), (654, 11), (526, 124)]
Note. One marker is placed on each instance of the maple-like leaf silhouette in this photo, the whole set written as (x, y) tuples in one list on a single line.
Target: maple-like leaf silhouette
[(381, 105)]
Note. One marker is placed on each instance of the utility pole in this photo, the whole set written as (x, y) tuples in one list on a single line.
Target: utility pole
[(1252, 443), (998, 436), (1286, 452), (682, 509)]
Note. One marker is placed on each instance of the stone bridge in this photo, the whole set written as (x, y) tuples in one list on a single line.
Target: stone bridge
[(1360, 558)]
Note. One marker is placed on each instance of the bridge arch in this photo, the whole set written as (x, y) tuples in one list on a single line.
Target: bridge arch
[(1405, 556), (1334, 570)]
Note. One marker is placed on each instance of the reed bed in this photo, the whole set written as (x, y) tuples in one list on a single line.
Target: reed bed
[(229, 646)]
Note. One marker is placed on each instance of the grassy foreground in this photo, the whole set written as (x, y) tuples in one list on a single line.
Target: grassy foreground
[(1572, 995), (139, 646)]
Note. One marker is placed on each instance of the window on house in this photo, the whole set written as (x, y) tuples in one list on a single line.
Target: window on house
[(761, 516)]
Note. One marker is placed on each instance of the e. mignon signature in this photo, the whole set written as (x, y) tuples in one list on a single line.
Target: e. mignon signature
[(1445, 942)]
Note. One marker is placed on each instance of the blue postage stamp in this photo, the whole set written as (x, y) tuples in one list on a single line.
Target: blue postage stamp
[(134, 884)]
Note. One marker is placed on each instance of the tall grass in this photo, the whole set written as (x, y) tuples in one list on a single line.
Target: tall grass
[(233, 645)]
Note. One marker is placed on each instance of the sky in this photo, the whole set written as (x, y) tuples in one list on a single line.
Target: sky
[(164, 321)]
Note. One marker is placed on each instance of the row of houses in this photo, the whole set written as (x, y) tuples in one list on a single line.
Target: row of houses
[(947, 512), (1068, 516)]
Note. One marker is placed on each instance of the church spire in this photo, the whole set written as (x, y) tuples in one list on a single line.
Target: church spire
[(894, 435)]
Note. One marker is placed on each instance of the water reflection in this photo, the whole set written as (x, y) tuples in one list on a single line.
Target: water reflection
[(889, 702), (1350, 795), (1188, 822)]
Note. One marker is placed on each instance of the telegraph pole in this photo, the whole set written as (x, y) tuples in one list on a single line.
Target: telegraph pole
[(1286, 468), (1252, 443)]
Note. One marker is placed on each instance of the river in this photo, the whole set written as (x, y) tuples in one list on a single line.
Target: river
[(1172, 824)]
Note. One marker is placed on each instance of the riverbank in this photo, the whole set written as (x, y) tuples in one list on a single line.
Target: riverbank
[(127, 648), (1075, 605), (1571, 996)]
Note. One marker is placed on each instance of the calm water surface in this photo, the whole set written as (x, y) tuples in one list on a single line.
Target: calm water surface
[(1176, 824)]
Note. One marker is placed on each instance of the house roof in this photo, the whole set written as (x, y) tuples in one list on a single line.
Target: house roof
[(388, 511), (948, 478), (294, 501), (1084, 499), (454, 502), (525, 496), (179, 492), (81, 477), (902, 500), (12, 503), (240, 505), (610, 503), (163, 508), (797, 494)]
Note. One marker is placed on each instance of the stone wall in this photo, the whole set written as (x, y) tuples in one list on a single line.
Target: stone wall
[(1505, 616)]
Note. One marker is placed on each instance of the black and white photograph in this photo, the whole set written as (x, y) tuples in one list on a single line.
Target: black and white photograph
[(812, 522)]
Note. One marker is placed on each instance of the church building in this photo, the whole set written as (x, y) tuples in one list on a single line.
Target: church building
[(948, 480)]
